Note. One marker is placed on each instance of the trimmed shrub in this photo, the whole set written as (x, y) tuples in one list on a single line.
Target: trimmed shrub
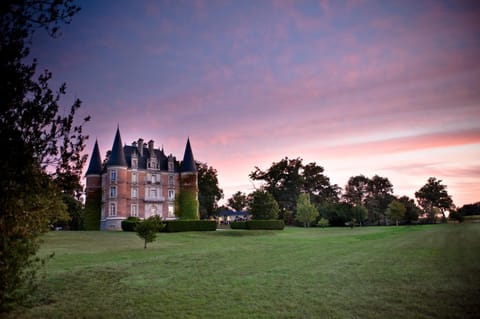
[(238, 225), (189, 225), (272, 224), (130, 223)]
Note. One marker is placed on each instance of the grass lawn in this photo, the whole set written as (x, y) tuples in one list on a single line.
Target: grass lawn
[(428, 271)]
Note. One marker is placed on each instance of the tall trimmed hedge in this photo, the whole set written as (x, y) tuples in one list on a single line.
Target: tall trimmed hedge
[(186, 205), (93, 206), (274, 224), (130, 223), (189, 225), (238, 225)]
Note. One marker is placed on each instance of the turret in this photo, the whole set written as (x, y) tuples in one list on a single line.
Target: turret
[(117, 157), (188, 185), (95, 166), (188, 163)]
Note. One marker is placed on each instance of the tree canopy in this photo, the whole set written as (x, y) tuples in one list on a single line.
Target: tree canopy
[(433, 196), (286, 179), (306, 211), (42, 143), (374, 194), (263, 205), (238, 201), (209, 193)]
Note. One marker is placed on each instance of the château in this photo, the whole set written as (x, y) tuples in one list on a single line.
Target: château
[(138, 180)]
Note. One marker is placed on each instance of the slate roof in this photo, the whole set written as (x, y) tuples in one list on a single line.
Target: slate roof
[(95, 166), (122, 156), (142, 160), (117, 157), (188, 163)]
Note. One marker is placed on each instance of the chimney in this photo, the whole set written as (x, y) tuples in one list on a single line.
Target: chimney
[(150, 147), (134, 144), (140, 146)]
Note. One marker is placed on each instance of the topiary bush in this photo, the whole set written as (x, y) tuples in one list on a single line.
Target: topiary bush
[(273, 224), (130, 223), (189, 225), (238, 225)]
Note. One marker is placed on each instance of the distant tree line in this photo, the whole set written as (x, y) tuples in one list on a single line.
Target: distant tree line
[(297, 187)]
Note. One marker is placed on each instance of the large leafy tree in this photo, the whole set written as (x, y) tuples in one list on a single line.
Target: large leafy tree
[(263, 205), (372, 193), (380, 194), (286, 179), (411, 209), (209, 193), (356, 190), (238, 201), (41, 145), (433, 196)]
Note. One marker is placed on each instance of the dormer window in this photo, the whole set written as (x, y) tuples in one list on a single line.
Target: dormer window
[(134, 163), (170, 166)]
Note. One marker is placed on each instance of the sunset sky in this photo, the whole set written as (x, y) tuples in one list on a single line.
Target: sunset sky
[(359, 87)]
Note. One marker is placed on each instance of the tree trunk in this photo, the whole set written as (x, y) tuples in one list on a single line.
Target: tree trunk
[(396, 222), (145, 244)]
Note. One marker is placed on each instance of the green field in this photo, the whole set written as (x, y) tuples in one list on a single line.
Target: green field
[(428, 271)]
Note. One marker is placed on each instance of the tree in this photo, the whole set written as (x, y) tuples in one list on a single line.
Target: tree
[(380, 194), (356, 190), (148, 229), (359, 213), (434, 196), (286, 179), (411, 209), (306, 212), (395, 211), (238, 201), (42, 142), (263, 206), (209, 193), (374, 194)]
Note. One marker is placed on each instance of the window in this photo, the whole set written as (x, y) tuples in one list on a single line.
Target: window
[(113, 176), (171, 194), (113, 210), (154, 178), (134, 210), (134, 178), (170, 180), (153, 193), (134, 163), (134, 192), (113, 191), (171, 210)]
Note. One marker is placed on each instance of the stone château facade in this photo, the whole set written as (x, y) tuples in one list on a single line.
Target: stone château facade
[(138, 180)]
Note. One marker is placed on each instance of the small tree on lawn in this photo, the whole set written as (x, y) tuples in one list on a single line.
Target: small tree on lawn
[(395, 211), (148, 229), (306, 211)]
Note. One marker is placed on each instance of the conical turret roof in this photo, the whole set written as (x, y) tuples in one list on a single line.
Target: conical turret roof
[(188, 163), (117, 157), (95, 166)]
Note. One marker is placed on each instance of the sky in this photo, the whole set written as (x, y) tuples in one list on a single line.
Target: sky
[(359, 87)]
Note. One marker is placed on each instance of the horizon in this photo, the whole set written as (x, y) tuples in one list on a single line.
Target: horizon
[(358, 87)]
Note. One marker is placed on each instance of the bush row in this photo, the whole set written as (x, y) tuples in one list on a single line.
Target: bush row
[(272, 224), (189, 225)]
